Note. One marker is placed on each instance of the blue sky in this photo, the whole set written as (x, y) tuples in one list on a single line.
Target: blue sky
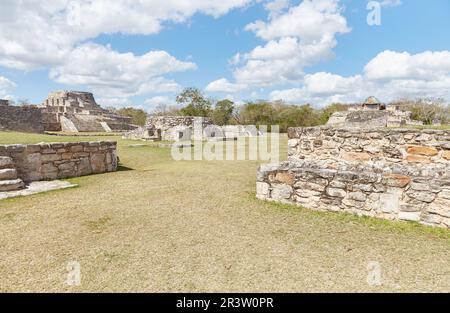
[(331, 55)]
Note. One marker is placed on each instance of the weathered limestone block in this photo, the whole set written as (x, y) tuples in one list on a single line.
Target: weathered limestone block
[(421, 195), (356, 156), (6, 162), (262, 190), (335, 192), (409, 216), (418, 159), (281, 192), (283, 177), (396, 180), (421, 150), (8, 174), (98, 162)]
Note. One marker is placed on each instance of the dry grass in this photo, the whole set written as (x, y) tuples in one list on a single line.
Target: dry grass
[(196, 226)]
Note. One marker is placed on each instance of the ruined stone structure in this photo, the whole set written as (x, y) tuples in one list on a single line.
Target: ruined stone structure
[(76, 111), (20, 118), (175, 128), (372, 113), (170, 128), (397, 174), (49, 161)]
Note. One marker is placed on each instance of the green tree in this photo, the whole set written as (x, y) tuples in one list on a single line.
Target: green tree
[(138, 116), (223, 112), (195, 104), (330, 109)]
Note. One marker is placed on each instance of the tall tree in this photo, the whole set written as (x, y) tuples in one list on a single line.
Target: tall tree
[(195, 104), (223, 112)]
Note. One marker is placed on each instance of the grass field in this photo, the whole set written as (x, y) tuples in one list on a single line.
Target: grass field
[(161, 225)]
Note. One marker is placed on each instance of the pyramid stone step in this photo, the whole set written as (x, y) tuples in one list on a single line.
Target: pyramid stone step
[(6, 162), (8, 174), (11, 185)]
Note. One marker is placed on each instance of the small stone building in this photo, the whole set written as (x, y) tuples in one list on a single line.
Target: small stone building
[(372, 113)]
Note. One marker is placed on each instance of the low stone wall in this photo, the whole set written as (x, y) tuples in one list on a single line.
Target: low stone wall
[(21, 118), (370, 145), (401, 192), (48, 161)]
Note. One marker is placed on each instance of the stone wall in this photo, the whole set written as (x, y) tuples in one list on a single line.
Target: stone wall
[(370, 145), (21, 119), (397, 174), (400, 193), (367, 118), (48, 161), (173, 128)]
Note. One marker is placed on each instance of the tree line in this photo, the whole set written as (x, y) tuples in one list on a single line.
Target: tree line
[(191, 102)]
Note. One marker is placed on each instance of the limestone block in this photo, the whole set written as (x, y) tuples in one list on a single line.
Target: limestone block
[(98, 162), (422, 150), (8, 174), (49, 171), (446, 155), (390, 200), (84, 167), (357, 196), (262, 189), (281, 192), (418, 159), (77, 148), (396, 180), (356, 156), (409, 216), (50, 157), (67, 156), (282, 177), (6, 162), (335, 192), (440, 206), (423, 196)]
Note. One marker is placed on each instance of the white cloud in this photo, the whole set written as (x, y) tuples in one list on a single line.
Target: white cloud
[(299, 37), (311, 20), (390, 75), (394, 65), (111, 74), (36, 34), (160, 100), (223, 85), (5, 88)]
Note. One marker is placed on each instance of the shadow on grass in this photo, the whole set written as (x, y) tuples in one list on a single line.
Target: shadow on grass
[(122, 168)]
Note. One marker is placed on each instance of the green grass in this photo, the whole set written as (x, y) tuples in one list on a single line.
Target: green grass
[(161, 225)]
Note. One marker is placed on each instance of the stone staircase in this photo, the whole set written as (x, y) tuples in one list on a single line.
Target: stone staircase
[(8, 175)]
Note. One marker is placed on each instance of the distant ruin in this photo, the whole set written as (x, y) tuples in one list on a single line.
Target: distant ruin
[(372, 113), (67, 111), (185, 128), (26, 118), (76, 111)]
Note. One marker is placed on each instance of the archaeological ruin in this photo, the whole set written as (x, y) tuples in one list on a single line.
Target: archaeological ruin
[(22, 164), (76, 111), (25, 118), (185, 128), (391, 173), (372, 113), (67, 111)]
